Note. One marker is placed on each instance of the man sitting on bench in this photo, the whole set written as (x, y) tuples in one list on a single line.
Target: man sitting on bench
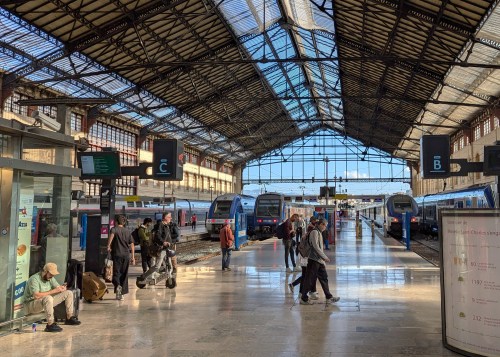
[(43, 292)]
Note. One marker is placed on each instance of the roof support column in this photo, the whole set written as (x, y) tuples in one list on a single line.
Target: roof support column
[(238, 178)]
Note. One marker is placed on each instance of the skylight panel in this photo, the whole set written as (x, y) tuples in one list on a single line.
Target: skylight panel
[(8, 63), (17, 32)]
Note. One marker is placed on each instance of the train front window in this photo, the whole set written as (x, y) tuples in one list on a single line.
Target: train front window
[(402, 205), (222, 209), (269, 208)]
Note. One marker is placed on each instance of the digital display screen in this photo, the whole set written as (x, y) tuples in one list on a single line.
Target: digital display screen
[(99, 165)]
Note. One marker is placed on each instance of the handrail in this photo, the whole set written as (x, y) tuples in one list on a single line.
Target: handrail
[(21, 319)]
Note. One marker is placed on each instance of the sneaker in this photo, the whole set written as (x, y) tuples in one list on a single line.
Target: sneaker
[(228, 269), (53, 328), (119, 293), (332, 300), (297, 268), (306, 302), (290, 287), (288, 270), (314, 296), (73, 320)]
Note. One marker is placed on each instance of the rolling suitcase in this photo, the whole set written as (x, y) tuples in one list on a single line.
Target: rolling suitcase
[(93, 288)]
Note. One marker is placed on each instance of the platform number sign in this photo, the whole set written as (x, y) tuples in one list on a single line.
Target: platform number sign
[(435, 156), (168, 160)]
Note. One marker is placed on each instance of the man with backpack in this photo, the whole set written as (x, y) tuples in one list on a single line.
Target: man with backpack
[(316, 266), (288, 234)]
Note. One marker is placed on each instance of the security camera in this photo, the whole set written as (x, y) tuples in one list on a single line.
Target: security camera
[(45, 120)]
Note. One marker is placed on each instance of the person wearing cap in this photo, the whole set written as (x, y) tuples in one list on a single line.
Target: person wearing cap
[(43, 292)]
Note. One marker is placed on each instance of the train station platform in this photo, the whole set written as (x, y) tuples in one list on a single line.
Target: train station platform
[(390, 306)]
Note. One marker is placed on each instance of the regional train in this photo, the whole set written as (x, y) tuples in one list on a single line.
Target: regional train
[(391, 212), (135, 211), (142, 207), (429, 205), (271, 209), (224, 209)]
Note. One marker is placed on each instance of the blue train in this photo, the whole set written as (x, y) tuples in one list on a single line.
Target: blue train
[(271, 209), (429, 205), (224, 208), (391, 212)]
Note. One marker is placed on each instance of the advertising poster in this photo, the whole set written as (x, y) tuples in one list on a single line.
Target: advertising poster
[(25, 216), (471, 281)]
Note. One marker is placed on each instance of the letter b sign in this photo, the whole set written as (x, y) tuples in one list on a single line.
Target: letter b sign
[(435, 156)]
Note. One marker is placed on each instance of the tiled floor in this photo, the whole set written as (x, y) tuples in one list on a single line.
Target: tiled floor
[(390, 306)]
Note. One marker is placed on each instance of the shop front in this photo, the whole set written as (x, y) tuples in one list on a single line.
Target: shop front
[(35, 203)]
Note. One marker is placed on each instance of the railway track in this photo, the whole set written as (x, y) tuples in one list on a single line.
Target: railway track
[(427, 249), (195, 250)]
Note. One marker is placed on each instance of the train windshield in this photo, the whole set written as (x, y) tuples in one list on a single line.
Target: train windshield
[(402, 205), (222, 209), (268, 208)]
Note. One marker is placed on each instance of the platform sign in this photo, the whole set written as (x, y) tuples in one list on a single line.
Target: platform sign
[(435, 156), (168, 160), (470, 280)]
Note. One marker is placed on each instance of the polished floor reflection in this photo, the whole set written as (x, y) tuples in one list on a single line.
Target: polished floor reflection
[(390, 306)]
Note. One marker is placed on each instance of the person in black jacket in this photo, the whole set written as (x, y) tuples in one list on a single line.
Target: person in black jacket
[(175, 235), (162, 237)]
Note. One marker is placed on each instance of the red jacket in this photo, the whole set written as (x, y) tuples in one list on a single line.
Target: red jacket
[(226, 237)]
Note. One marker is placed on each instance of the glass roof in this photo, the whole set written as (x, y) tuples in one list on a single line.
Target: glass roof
[(309, 92), (267, 30), (22, 43)]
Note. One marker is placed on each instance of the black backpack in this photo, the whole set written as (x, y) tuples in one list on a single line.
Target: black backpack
[(281, 230), (135, 236)]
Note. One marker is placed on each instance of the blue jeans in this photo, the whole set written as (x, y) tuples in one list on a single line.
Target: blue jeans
[(226, 257), (289, 251)]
